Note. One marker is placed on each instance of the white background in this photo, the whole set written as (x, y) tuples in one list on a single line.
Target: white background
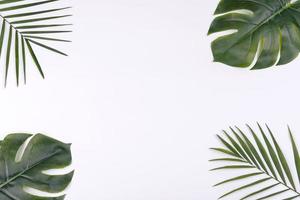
[(141, 100)]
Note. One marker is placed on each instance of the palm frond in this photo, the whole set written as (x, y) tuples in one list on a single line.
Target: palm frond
[(265, 157), (28, 23)]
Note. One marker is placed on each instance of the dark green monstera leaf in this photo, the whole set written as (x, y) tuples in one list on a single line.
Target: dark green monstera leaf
[(269, 29), (40, 154)]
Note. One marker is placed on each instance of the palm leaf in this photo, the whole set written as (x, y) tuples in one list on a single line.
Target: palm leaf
[(25, 158), (265, 156), (25, 28), (259, 27)]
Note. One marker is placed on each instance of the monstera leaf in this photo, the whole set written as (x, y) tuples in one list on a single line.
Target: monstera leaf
[(27, 23), (266, 29), (24, 166), (265, 168)]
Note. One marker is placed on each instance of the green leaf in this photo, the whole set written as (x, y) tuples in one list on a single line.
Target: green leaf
[(34, 13), (237, 147), (233, 167), (228, 159), (8, 54), (245, 147), (2, 35), (229, 146), (296, 154), (267, 29), (38, 19), (273, 194), (239, 178), (221, 150), (293, 197), (10, 1), (254, 151), (47, 38), (246, 186), (42, 26), (273, 155), (24, 165), (35, 58), (19, 25), (26, 5), (283, 160), (47, 47), (260, 191), (263, 151), (256, 171), (17, 56), (24, 58), (43, 32)]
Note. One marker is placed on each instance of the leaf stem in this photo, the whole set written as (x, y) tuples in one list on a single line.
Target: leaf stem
[(28, 168), (15, 28), (275, 179)]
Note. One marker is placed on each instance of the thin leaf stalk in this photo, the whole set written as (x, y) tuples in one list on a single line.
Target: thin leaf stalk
[(275, 179)]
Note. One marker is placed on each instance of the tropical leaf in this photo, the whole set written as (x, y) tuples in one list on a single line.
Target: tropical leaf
[(267, 29), (24, 160), (266, 160), (27, 23)]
